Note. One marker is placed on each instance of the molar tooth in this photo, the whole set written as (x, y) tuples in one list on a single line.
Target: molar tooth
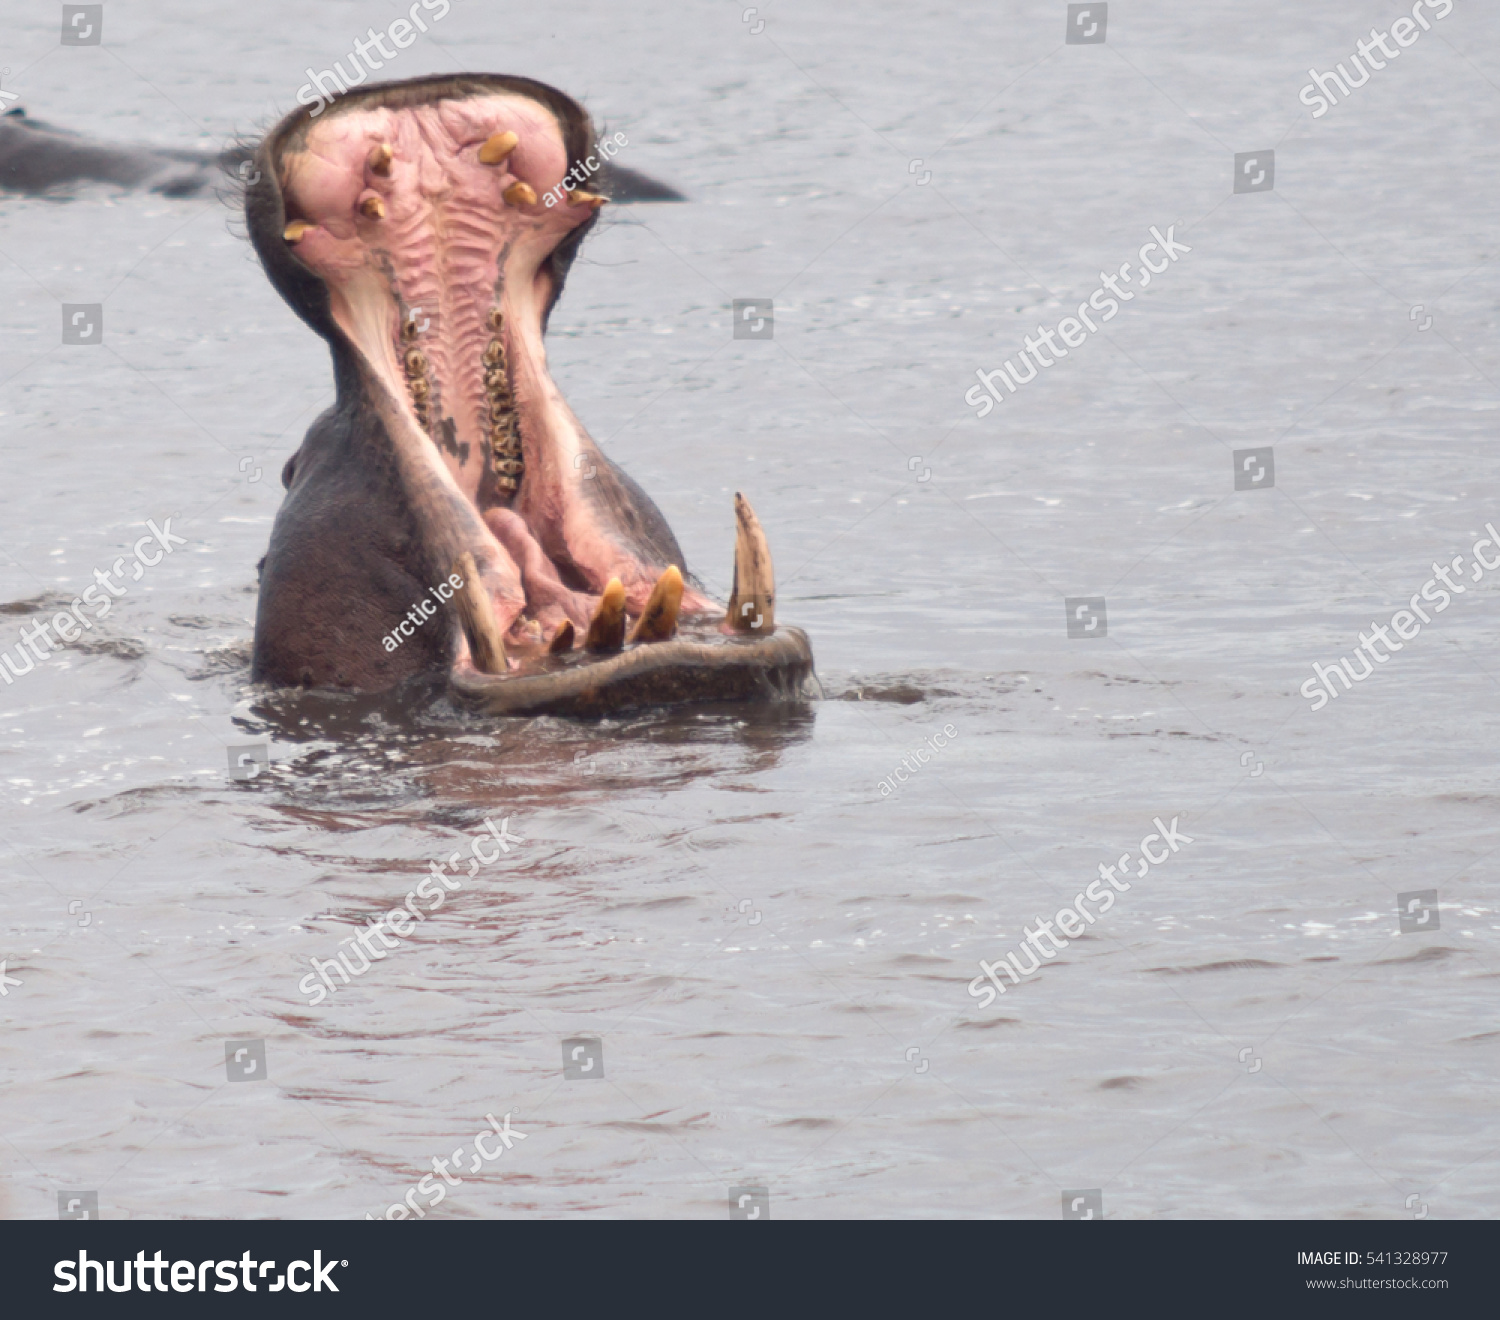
[(607, 627), (520, 194), (419, 388), (379, 159), (752, 605), (294, 231), (373, 207), (494, 353), (593, 200), (496, 321), (416, 364), (497, 148), (658, 621)]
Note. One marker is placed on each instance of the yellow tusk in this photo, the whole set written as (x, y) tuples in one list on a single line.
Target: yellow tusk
[(498, 148), (476, 615), (752, 604), (658, 621), (607, 627)]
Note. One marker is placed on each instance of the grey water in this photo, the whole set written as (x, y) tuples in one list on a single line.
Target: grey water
[(773, 947)]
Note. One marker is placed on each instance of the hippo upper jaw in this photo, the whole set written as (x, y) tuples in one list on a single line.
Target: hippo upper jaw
[(421, 229)]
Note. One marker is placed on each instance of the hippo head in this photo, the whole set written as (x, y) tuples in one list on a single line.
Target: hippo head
[(449, 512)]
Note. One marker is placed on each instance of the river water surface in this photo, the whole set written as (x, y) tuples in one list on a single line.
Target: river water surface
[(773, 950)]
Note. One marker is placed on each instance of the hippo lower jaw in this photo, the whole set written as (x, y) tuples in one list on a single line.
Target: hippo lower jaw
[(702, 665), (656, 661), (423, 229)]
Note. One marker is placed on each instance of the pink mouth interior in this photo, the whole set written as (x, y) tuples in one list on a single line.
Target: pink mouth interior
[(449, 288)]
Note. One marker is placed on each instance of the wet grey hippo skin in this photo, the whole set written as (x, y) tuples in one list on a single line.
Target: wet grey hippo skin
[(450, 514), (36, 159)]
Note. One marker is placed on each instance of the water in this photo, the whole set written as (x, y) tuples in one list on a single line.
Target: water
[(774, 953)]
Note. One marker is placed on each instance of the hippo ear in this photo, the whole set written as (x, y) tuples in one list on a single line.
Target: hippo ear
[(625, 185)]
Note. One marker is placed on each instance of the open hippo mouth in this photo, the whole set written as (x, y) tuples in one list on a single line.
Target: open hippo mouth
[(450, 511)]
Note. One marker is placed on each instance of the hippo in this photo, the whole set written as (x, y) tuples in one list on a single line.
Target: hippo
[(449, 514), (40, 160)]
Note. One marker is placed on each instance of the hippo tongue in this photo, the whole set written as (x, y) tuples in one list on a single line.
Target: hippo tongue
[(431, 222)]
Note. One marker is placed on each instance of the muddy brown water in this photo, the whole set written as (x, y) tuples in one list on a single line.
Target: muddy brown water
[(773, 951)]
